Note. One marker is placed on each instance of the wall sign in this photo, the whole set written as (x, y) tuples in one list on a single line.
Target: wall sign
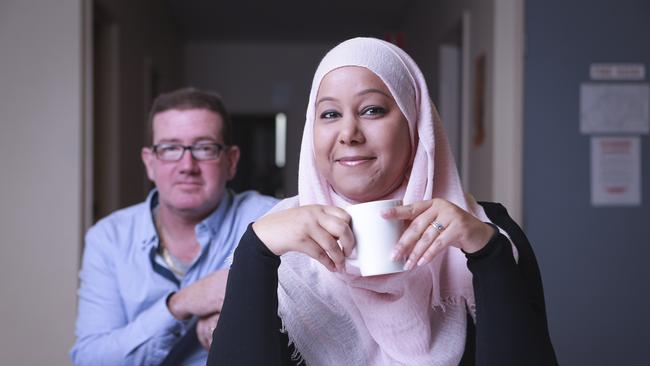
[(617, 71), (615, 171), (614, 108)]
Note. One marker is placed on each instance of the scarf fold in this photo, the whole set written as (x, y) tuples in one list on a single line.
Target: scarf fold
[(410, 318)]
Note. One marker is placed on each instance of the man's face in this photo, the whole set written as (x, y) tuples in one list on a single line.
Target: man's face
[(190, 187)]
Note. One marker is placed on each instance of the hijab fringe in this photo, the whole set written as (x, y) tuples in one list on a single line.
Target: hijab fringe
[(454, 301), (296, 356)]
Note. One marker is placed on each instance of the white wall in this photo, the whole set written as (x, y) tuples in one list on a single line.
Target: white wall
[(259, 78), (46, 155), (508, 99), (40, 183), (494, 169), (431, 24)]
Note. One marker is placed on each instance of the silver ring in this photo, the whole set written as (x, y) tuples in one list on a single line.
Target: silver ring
[(438, 226)]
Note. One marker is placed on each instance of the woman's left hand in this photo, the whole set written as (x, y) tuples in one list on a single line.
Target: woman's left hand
[(434, 225)]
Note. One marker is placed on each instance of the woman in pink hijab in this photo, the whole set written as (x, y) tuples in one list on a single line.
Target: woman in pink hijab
[(471, 292)]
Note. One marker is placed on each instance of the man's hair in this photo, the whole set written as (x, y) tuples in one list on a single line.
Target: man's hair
[(192, 98)]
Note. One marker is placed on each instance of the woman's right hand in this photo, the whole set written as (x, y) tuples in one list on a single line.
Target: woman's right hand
[(316, 230)]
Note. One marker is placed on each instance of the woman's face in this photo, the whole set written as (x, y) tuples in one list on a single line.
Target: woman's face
[(361, 138)]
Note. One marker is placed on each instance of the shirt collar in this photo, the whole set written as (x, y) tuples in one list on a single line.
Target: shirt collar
[(147, 226), (212, 223), (209, 225)]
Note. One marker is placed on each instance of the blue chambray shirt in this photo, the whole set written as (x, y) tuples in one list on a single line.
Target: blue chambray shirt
[(122, 316)]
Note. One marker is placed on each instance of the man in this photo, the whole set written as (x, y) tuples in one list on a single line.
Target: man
[(153, 275)]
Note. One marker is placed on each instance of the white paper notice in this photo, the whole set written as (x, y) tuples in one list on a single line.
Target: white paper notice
[(615, 171), (614, 108)]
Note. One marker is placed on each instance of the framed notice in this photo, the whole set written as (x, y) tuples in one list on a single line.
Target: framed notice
[(614, 108)]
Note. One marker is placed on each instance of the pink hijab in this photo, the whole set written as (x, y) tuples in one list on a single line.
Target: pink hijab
[(412, 318)]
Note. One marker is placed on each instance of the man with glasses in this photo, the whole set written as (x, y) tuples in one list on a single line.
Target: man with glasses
[(153, 275)]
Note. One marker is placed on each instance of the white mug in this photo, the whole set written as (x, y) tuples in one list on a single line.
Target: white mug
[(375, 238)]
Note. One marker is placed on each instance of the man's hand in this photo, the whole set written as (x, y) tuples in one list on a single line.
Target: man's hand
[(202, 298), (205, 327)]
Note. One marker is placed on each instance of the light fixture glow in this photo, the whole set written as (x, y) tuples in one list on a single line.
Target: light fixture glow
[(280, 139)]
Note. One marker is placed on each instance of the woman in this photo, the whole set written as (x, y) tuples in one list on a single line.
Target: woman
[(372, 133)]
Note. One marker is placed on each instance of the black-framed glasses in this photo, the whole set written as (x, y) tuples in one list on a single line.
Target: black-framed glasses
[(201, 151)]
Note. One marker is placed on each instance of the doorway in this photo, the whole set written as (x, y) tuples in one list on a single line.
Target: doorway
[(258, 169), (453, 97), (106, 124)]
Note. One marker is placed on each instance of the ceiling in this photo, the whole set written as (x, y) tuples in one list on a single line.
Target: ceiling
[(287, 20)]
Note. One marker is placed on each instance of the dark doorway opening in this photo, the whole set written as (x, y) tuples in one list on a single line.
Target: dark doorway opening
[(256, 137), (106, 123)]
